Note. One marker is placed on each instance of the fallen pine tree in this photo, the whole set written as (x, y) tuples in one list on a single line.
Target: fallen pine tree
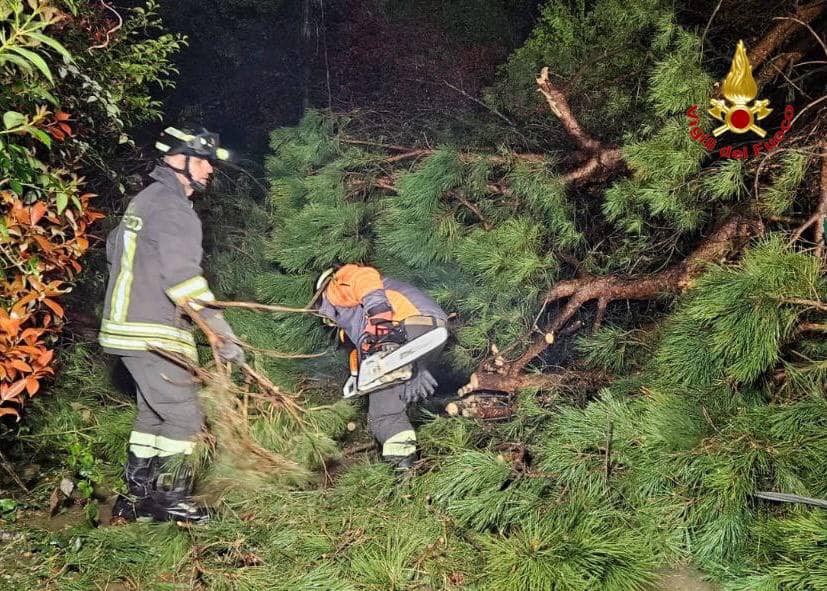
[(656, 314)]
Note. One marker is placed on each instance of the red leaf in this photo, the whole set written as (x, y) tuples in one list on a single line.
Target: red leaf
[(65, 128), (32, 386), (21, 365), (35, 282), (56, 308), (20, 213), (62, 116), (13, 391), (9, 410), (46, 357), (29, 350), (44, 244), (31, 333), (38, 211), (10, 327)]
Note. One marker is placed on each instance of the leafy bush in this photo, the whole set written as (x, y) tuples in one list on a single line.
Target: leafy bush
[(70, 85)]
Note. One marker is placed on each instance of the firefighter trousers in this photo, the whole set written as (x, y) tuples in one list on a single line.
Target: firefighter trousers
[(169, 413)]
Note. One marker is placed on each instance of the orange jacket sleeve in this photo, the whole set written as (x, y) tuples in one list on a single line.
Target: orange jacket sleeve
[(351, 285)]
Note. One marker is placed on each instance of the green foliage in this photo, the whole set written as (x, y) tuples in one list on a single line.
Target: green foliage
[(76, 425), (574, 446), (677, 80), (734, 326), (588, 44), (779, 196), (661, 466), (574, 549), (22, 38), (480, 490), (725, 180), (313, 445), (66, 104), (140, 552), (790, 555), (612, 349)]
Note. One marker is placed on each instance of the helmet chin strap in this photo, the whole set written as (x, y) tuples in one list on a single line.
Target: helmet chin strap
[(197, 186)]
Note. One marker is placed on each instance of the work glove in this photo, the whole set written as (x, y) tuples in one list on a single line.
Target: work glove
[(228, 350), (419, 387)]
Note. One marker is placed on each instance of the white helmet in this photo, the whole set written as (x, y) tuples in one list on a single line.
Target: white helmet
[(325, 276)]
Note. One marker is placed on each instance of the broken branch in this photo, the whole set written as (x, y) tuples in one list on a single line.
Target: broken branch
[(600, 157), (605, 290), (560, 107), (782, 31), (495, 382), (256, 306), (613, 287)]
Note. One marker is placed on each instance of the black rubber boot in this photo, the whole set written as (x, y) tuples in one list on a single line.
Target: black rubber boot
[(401, 463), (170, 496), (138, 476)]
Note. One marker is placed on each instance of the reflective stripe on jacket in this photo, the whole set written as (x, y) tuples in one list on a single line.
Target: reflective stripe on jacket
[(355, 293), (154, 259)]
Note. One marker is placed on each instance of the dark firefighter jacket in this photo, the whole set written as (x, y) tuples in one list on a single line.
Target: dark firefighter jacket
[(154, 259)]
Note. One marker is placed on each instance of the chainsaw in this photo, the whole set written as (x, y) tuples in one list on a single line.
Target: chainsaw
[(391, 362)]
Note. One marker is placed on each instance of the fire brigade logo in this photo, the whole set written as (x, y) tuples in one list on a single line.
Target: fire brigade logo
[(738, 115), (739, 90)]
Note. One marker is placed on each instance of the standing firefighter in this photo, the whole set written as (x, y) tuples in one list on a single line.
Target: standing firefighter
[(398, 332), (154, 258)]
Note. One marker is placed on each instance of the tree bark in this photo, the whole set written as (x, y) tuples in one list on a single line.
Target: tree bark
[(782, 31)]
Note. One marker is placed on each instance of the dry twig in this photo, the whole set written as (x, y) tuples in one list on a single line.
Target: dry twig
[(10, 470), (819, 218), (110, 31)]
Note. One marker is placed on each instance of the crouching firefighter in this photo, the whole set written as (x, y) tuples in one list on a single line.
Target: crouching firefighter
[(398, 332), (154, 258)]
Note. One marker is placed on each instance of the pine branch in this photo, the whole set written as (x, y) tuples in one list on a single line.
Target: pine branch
[(387, 183), (822, 306), (480, 103), (820, 216), (274, 394), (782, 61), (673, 280), (601, 158), (560, 107), (474, 209), (408, 153), (605, 290), (775, 38)]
